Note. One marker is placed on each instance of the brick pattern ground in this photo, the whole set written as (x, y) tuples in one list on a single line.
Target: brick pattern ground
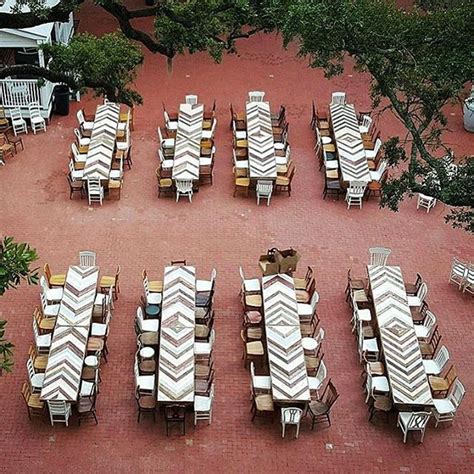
[(218, 230)]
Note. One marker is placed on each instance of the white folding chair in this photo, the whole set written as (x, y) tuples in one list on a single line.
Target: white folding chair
[(264, 190), (291, 416), (413, 421), (426, 202)]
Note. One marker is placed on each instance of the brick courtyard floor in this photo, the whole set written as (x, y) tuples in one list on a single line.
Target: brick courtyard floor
[(219, 231)]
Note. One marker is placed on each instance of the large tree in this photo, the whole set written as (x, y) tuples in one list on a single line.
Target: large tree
[(419, 62), (15, 265)]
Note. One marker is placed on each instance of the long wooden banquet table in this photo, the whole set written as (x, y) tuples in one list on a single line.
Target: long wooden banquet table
[(408, 380), (188, 142), (62, 379), (176, 356), (103, 139), (261, 145), (285, 351), (350, 146)]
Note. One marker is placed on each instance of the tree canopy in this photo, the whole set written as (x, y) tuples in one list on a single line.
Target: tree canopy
[(15, 262), (419, 62)]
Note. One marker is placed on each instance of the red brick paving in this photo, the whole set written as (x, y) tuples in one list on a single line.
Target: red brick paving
[(218, 230)]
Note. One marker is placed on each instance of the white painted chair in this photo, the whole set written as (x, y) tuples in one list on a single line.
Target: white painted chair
[(171, 125), (86, 126), (105, 299), (315, 383), (43, 341), (146, 325), (445, 408), (306, 310), (251, 285), (87, 258), (191, 99), (375, 384), (76, 175), (359, 315), (338, 98), (101, 329), (426, 202), (117, 174), (36, 380), (371, 154), (435, 366), (78, 156), (164, 162), (260, 382), (413, 421), (239, 134), (368, 347), (49, 310), (53, 295), (87, 387), (165, 142), (469, 281), (208, 134), (203, 406), (291, 416), (143, 383), (379, 255), (59, 411), (378, 173), (205, 348), (36, 120), (152, 297), (95, 191), (206, 285), (124, 145), (184, 187), (323, 140), (256, 96), (423, 331), (330, 163), (365, 124), (207, 160), (83, 141), (417, 300), (264, 190), (18, 122), (458, 273), (355, 193)]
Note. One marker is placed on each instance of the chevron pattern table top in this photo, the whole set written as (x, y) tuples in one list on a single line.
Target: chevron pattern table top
[(407, 376), (261, 146), (352, 159), (188, 142), (62, 378), (102, 144), (176, 358), (285, 352)]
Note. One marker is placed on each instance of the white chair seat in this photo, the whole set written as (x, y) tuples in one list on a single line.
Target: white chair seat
[(37, 380), (421, 332), (167, 164), (331, 164), (280, 146), (205, 161), (262, 382), (370, 154), (404, 417), (77, 174), (100, 299), (153, 298), (122, 146), (241, 135), (51, 310), (203, 285), (414, 301), (281, 160), (443, 406), (305, 309), (202, 348), (54, 294), (84, 141), (91, 361), (168, 143), (150, 325), (43, 340), (202, 403), (146, 382), (431, 367), (89, 125), (363, 129), (364, 315), (98, 329), (326, 140), (370, 345), (375, 175), (172, 125), (314, 383), (206, 134), (309, 343), (115, 174), (86, 388), (252, 285), (36, 120), (242, 164), (147, 352), (380, 384)]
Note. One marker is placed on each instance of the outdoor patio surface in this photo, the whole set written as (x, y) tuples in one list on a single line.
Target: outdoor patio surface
[(217, 230)]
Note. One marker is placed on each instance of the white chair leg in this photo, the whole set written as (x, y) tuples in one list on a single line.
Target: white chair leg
[(283, 430), (297, 430)]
